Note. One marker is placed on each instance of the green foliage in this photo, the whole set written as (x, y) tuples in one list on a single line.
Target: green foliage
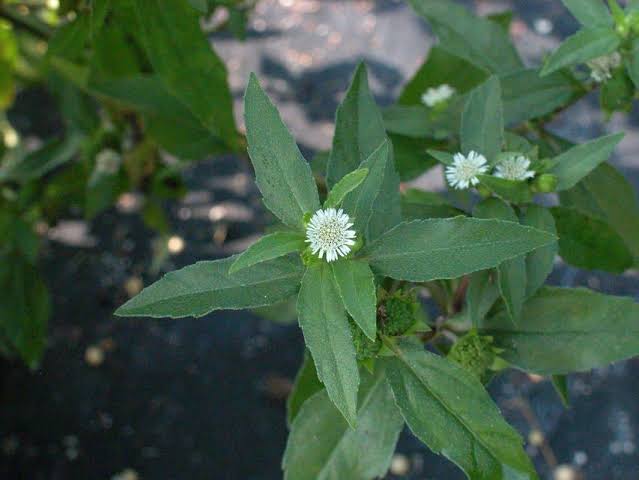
[(138, 79), (565, 330)]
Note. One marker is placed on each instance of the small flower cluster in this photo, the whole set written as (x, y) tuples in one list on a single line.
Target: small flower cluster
[(328, 232), (601, 68), (464, 171), (108, 162), (437, 95)]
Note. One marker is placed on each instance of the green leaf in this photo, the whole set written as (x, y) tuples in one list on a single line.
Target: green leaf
[(305, 386), (203, 287), (441, 67), (445, 158), (632, 63), (512, 190), (282, 174), (477, 40), (41, 161), (607, 195), (449, 410), (417, 121), (482, 127), (560, 382), (186, 63), (359, 129), (328, 337), (584, 45), (411, 159), (567, 330), (267, 248), (321, 446), (577, 162), (424, 250), (617, 93), (590, 243), (369, 205), (24, 308), (539, 263), (420, 204), (347, 184), (102, 191), (526, 95), (590, 13), (481, 295), (511, 274), (356, 286), (360, 142)]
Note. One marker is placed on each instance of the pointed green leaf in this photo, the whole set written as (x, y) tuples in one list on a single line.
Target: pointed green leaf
[(408, 154), (445, 158), (590, 243), (449, 410), (482, 127), (577, 162), (321, 445), (24, 308), (607, 195), (560, 382), (511, 274), (420, 204), (632, 63), (512, 190), (200, 288), (359, 129), (328, 337), (526, 95), (190, 69), (590, 13), (477, 40), (567, 330), (347, 184), (282, 174), (269, 247), (424, 250), (584, 45), (481, 295), (369, 205), (356, 285), (539, 263), (305, 386)]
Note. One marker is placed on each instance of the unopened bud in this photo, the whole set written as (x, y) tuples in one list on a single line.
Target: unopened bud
[(546, 183)]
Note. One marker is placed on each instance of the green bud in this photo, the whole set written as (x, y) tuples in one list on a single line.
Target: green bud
[(365, 348), (545, 183), (474, 353), (398, 313)]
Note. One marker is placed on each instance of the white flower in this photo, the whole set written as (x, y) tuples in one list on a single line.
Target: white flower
[(108, 161), (601, 67), (514, 168), (433, 96), (329, 233), (464, 170)]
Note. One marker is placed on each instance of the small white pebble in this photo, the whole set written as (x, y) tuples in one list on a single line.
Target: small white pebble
[(536, 438), (94, 356), (565, 472), (580, 458), (399, 464), (128, 474), (543, 26)]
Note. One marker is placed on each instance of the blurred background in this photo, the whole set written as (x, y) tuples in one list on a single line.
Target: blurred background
[(127, 399)]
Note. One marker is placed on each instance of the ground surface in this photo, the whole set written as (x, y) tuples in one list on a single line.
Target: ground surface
[(203, 399)]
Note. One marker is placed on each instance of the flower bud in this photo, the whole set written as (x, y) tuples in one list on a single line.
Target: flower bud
[(546, 183), (365, 348), (474, 353), (399, 313)]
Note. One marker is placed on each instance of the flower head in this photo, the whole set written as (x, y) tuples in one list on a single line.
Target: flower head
[(329, 233), (108, 161), (433, 96), (601, 67), (514, 168), (464, 170)]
